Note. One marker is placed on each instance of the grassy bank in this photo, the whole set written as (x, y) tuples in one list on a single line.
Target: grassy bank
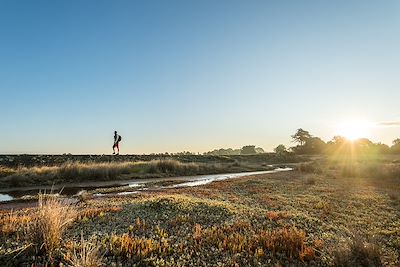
[(15, 161), (107, 171)]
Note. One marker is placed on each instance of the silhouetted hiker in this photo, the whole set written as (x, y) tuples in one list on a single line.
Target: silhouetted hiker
[(117, 139)]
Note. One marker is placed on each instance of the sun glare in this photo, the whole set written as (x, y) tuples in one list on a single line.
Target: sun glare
[(353, 130)]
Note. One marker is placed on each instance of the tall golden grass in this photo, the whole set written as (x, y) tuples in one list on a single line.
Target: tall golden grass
[(77, 171), (5, 171), (172, 167), (49, 222)]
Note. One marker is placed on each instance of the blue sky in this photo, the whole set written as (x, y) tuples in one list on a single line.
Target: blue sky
[(193, 75)]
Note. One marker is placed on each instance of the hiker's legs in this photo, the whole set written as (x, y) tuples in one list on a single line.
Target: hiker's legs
[(117, 145)]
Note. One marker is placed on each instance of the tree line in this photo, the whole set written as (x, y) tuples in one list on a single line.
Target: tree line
[(309, 144), (245, 150)]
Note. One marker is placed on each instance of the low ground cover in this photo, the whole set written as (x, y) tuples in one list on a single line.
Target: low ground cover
[(317, 218)]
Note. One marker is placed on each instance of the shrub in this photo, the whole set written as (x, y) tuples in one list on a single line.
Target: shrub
[(310, 167), (310, 180)]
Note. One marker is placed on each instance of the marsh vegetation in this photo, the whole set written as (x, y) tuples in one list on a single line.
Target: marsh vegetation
[(320, 214)]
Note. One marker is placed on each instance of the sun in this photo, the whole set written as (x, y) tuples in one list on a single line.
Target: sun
[(353, 130)]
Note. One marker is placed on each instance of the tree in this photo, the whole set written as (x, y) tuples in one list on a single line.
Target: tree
[(379, 148), (396, 146), (223, 152), (259, 150), (341, 145), (338, 140), (248, 150), (281, 149), (363, 145), (301, 136), (314, 145), (396, 142)]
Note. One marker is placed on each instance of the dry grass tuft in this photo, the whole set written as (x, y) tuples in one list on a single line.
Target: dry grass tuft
[(358, 253), (88, 254), (49, 222)]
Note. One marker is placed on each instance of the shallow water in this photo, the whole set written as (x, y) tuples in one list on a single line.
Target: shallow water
[(122, 187), (5, 197), (211, 178)]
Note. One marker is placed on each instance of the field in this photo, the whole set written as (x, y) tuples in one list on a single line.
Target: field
[(327, 212)]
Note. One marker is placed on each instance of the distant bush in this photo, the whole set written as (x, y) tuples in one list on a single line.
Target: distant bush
[(248, 150), (370, 170), (361, 168), (310, 180), (310, 167), (391, 171)]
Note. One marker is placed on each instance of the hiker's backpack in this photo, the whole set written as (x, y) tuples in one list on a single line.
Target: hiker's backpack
[(119, 138)]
